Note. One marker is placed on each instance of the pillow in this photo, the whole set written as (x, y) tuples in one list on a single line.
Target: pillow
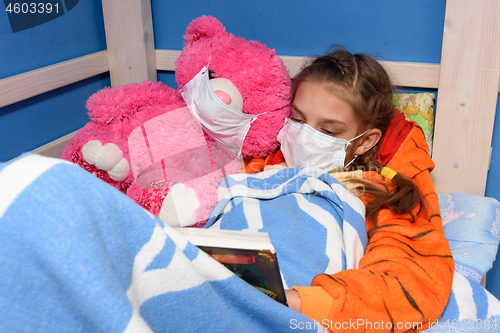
[(472, 226), (420, 109)]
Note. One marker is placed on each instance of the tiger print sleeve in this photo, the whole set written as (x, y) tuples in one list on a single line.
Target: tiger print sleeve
[(404, 279)]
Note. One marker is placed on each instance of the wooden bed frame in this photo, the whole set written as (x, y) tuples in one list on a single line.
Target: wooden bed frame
[(467, 80)]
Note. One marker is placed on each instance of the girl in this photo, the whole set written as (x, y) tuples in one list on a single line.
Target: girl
[(343, 117)]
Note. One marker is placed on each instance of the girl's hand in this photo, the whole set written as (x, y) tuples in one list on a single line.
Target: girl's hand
[(293, 300)]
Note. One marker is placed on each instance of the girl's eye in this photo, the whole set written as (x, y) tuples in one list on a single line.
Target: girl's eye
[(329, 133), (297, 120), (211, 75)]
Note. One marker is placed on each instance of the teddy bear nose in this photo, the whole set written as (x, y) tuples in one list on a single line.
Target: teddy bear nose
[(225, 98)]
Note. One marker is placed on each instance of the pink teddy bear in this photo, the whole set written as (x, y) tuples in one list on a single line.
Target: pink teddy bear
[(143, 140)]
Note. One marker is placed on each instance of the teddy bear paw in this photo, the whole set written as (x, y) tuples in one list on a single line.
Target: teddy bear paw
[(107, 157), (179, 206)]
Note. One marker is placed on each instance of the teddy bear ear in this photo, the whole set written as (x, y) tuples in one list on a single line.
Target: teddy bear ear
[(203, 27)]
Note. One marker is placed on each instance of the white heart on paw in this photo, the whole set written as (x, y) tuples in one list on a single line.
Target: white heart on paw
[(120, 171), (91, 150), (108, 157), (178, 207)]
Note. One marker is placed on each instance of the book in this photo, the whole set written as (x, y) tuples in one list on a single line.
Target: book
[(248, 254)]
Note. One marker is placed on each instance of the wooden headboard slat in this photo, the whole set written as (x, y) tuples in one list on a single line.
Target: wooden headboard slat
[(404, 74), (165, 59), (468, 89), (130, 41), (23, 86)]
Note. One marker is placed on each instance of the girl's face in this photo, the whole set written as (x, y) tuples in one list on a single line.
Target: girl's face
[(328, 114), (323, 111)]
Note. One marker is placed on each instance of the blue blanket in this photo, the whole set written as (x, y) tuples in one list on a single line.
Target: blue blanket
[(76, 255), (315, 224)]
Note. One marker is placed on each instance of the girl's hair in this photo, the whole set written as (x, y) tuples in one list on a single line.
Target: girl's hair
[(363, 83)]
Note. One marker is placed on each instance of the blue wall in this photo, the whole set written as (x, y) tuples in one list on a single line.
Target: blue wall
[(41, 119), (392, 29)]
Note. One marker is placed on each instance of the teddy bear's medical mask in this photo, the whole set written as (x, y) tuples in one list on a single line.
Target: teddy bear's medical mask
[(303, 146), (222, 122)]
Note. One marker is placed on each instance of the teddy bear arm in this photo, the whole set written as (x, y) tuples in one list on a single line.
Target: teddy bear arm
[(100, 154), (108, 157)]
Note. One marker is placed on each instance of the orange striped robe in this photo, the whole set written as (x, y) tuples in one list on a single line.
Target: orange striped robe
[(404, 279)]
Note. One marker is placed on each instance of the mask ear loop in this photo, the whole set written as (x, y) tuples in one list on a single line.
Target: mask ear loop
[(256, 116), (357, 137), (208, 64), (348, 164), (349, 143)]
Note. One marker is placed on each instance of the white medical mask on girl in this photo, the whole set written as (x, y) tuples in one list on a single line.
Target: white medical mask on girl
[(303, 146), (222, 122)]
